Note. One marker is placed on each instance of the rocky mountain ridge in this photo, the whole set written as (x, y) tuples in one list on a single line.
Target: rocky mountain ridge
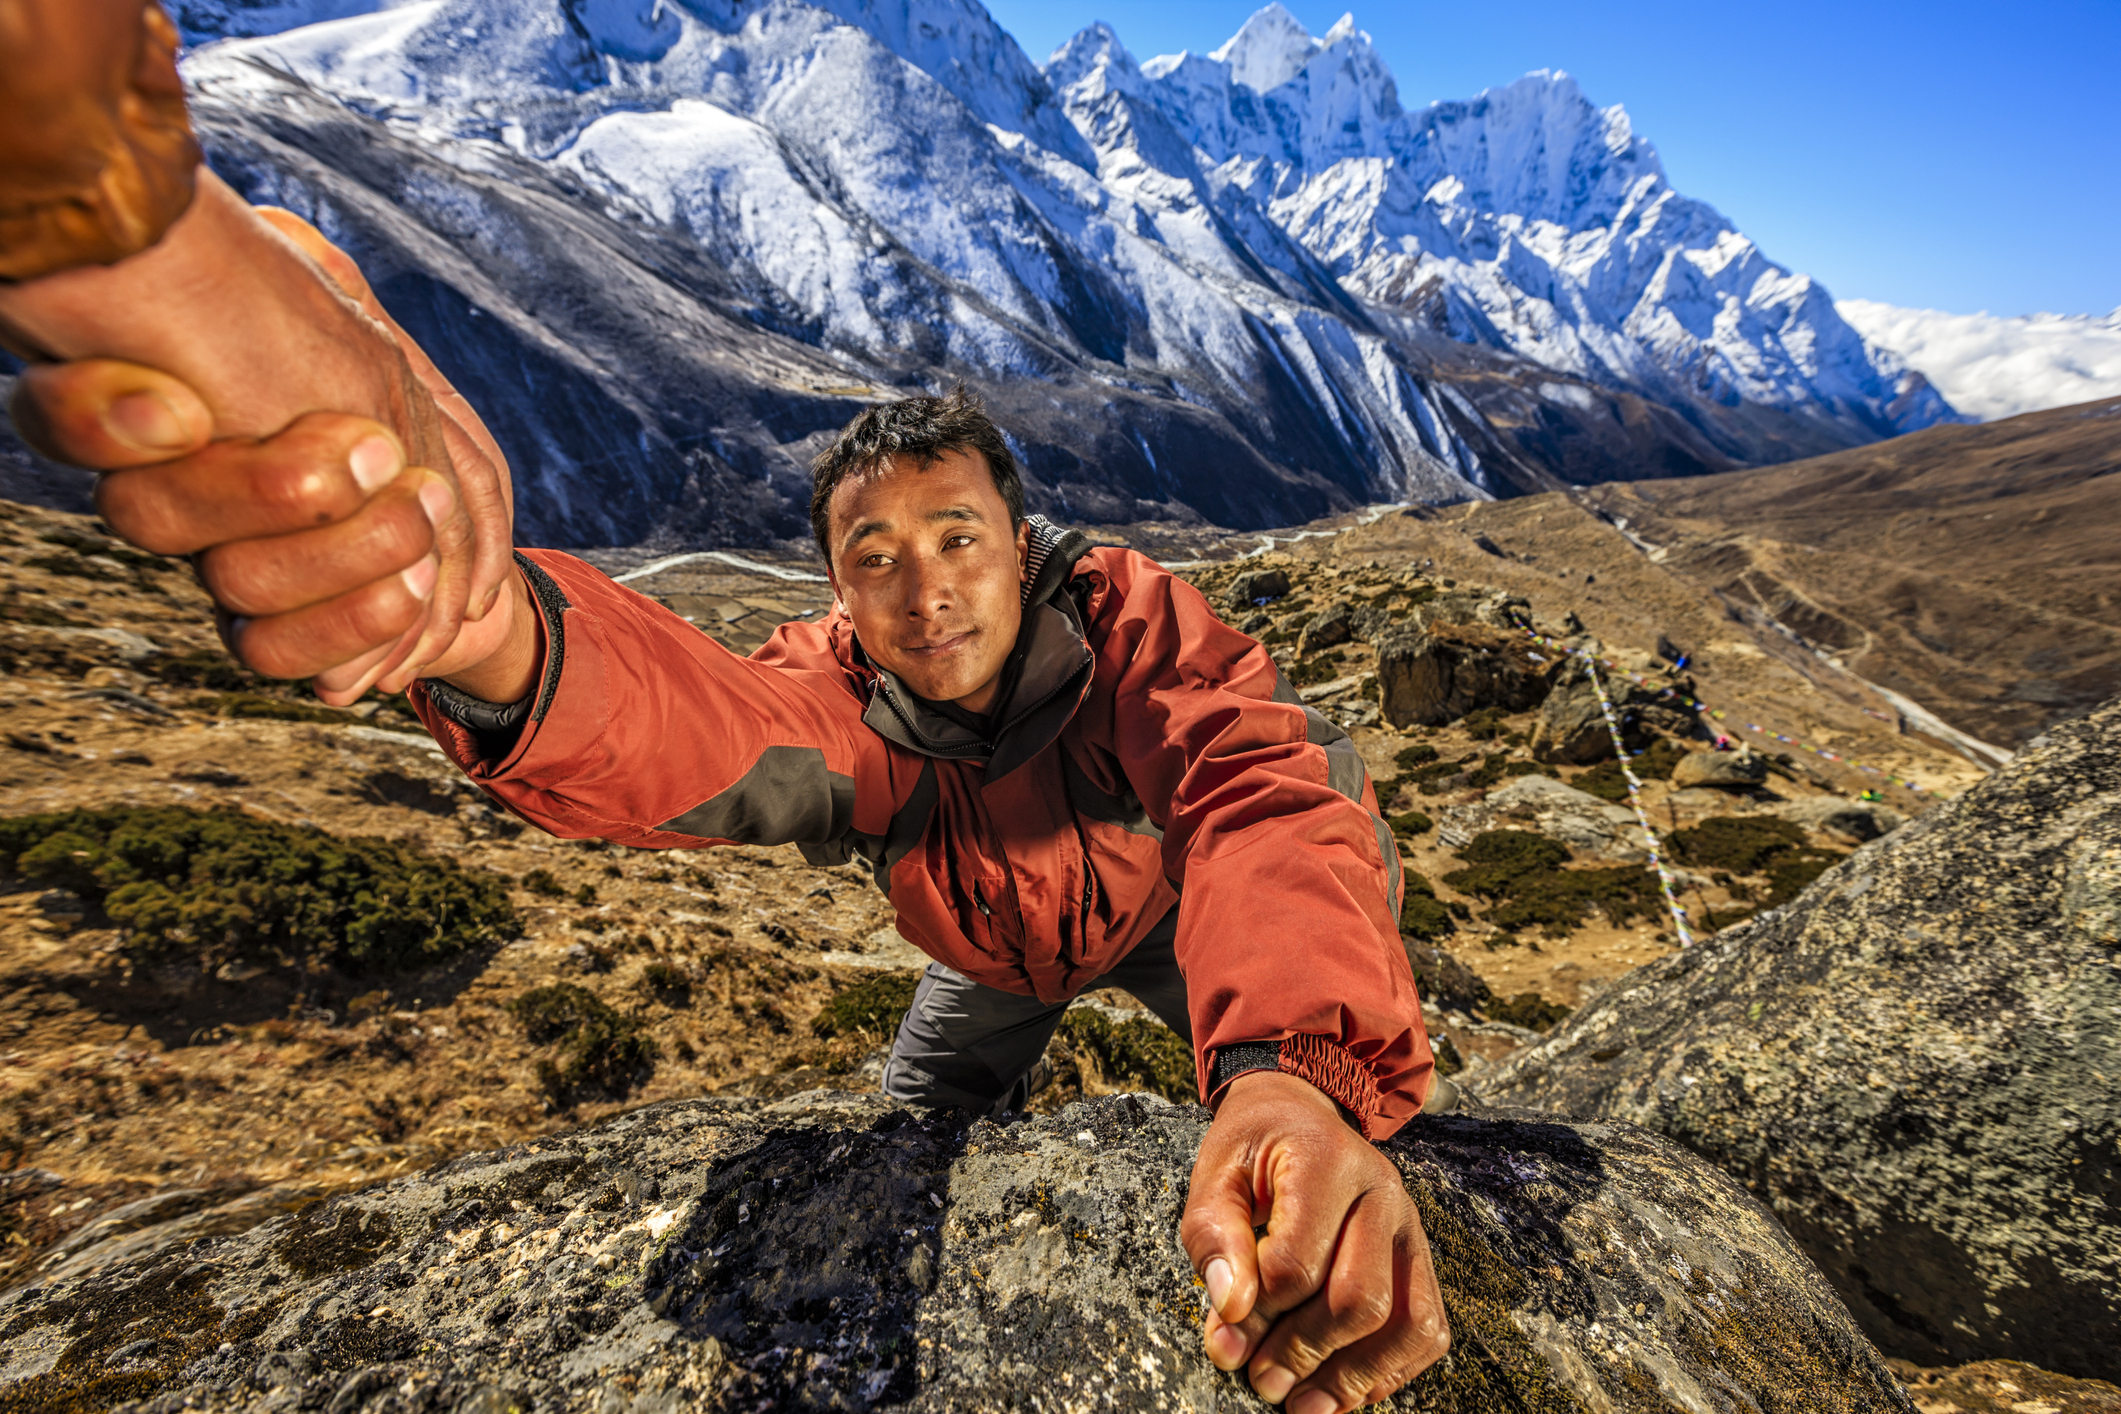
[(1189, 297)]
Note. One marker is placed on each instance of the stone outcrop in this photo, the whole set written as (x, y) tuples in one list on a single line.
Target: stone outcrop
[(1725, 770), (1430, 676), (1572, 727), (1328, 628), (1561, 812), (1913, 1064), (1258, 586), (833, 1252), (1851, 821)]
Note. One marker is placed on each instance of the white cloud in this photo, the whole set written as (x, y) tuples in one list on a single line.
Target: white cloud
[(1993, 368)]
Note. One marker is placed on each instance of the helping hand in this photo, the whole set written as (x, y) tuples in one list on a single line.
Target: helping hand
[(1337, 1306), (328, 556)]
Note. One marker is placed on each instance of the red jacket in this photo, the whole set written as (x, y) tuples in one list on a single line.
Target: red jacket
[(1147, 750)]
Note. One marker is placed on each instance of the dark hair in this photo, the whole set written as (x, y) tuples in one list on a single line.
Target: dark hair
[(920, 430)]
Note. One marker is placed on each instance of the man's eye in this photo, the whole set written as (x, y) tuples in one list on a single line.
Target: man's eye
[(870, 562), (957, 540)]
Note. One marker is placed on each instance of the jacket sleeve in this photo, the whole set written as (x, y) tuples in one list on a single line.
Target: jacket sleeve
[(1288, 916), (645, 731)]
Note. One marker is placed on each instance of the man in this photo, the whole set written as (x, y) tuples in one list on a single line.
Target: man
[(1066, 771)]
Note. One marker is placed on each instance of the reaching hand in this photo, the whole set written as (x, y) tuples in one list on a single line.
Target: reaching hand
[(1337, 1306), (329, 557)]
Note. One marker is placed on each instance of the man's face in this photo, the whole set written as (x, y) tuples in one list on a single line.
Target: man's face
[(926, 563)]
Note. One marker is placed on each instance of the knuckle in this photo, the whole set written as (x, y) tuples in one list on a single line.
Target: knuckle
[(1291, 1274), (378, 613)]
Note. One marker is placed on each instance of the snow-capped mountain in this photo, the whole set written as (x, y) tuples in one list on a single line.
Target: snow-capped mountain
[(1246, 285), (1992, 367)]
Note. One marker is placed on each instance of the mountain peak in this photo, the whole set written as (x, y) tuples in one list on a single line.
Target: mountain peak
[(1269, 49)]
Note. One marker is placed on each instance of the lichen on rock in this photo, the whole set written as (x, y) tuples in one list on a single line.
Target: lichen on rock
[(836, 1251), (1912, 1064)]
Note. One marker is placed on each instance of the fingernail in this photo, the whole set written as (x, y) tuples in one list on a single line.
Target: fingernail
[(1313, 1401), (420, 578), (1226, 1346), (143, 420), (438, 501), (1274, 1383), (374, 462), (1218, 1277)]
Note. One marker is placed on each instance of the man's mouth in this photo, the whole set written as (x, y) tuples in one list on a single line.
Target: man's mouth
[(937, 647)]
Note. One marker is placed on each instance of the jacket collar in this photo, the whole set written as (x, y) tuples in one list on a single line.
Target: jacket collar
[(1046, 678)]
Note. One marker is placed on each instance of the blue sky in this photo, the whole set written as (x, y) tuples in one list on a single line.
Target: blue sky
[(1948, 156)]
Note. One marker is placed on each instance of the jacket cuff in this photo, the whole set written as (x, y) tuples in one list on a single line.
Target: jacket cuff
[(495, 728), (1319, 1061)]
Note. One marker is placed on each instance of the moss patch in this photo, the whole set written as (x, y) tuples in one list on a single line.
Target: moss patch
[(326, 1238), (872, 1008), (216, 886), (131, 1342), (1134, 1054), (1492, 1365), (600, 1049), (1529, 1010)]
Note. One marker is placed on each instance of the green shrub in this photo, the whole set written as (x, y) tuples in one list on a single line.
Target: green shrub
[(600, 1048), (1421, 916), (543, 884), (1558, 900), (1411, 822), (1607, 782), (1448, 1061), (1499, 858), (1143, 1054), (1793, 877), (871, 1008), (1739, 844), (1417, 755), (1753, 845), (586, 896), (669, 982), (1313, 671), (1521, 872), (1529, 1010), (1483, 725), (219, 886)]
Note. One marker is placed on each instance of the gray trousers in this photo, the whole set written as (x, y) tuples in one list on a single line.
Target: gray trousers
[(968, 1046)]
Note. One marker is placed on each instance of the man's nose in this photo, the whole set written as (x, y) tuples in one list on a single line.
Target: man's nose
[(931, 588)]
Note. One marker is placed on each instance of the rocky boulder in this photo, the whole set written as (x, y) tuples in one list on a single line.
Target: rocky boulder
[(1258, 586), (1572, 727), (1725, 770), (1548, 807), (1851, 821), (1330, 627), (1913, 1064), (833, 1252), (1437, 675), (1492, 608)]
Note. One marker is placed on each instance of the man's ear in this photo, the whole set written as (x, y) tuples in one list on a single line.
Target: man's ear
[(1023, 549)]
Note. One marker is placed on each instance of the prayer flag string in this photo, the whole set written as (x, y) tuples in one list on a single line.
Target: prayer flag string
[(1667, 690), (1642, 816)]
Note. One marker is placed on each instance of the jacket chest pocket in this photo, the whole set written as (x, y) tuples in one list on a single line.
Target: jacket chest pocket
[(987, 916)]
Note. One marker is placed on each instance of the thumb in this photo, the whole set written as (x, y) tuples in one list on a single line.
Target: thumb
[(1217, 1234)]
